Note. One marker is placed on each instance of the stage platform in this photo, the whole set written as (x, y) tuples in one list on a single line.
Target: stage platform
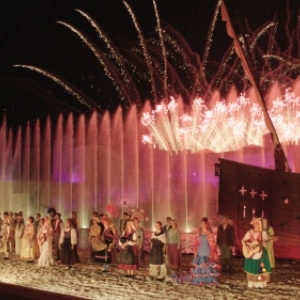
[(16, 292)]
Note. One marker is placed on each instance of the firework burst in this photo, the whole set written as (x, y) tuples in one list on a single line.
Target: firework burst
[(164, 65), (226, 126)]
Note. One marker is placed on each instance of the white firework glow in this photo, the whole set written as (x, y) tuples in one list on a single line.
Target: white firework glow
[(285, 115), (226, 126)]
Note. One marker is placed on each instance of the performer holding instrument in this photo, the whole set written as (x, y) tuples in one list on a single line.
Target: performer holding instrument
[(257, 265)]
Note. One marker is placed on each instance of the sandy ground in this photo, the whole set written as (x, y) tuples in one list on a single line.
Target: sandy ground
[(87, 281)]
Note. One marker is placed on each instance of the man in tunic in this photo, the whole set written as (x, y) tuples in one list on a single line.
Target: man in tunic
[(139, 231), (58, 226), (125, 218), (225, 242), (168, 225), (174, 246)]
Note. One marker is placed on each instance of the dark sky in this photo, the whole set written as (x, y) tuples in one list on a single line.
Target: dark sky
[(29, 35)]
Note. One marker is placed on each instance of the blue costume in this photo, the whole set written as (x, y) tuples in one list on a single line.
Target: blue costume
[(203, 270)]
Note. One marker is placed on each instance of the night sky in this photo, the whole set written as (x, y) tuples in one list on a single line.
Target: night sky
[(30, 35)]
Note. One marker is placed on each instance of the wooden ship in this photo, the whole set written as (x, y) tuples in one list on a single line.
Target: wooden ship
[(247, 191)]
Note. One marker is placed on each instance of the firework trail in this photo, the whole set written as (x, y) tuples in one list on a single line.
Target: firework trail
[(144, 47), (105, 63), (119, 60), (164, 65), (163, 49), (71, 89)]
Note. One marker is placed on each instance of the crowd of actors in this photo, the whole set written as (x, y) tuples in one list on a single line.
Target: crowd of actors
[(46, 239), (49, 240)]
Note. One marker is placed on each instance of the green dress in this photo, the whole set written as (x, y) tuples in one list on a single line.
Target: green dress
[(258, 266), (253, 266)]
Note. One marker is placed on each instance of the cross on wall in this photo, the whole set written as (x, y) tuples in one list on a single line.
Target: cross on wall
[(253, 193), (263, 195), (242, 190)]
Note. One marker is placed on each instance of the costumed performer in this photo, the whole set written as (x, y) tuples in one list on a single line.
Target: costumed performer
[(257, 265)]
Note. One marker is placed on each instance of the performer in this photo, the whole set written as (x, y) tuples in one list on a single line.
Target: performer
[(269, 242), (21, 215), (225, 242), (95, 215), (51, 214), (157, 266), (29, 246), (39, 235), (75, 221), (257, 265), (96, 238), (12, 222), (104, 256), (96, 219), (46, 258), (205, 219), (58, 226), (237, 247), (213, 247), (128, 253), (19, 230), (123, 221), (68, 245), (174, 246), (114, 260), (167, 226), (139, 231), (203, 271), (5, 233), (37, 221)]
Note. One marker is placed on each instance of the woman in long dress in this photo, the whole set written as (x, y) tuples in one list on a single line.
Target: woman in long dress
[(19, 230), (203, 271), (68, 245), (104, 256), (174, 246), (157, 266), (128, 252), (46, 258), (29, 246), (5, 233), (213, 246), (257, 267), (12, 222), (39, 236)]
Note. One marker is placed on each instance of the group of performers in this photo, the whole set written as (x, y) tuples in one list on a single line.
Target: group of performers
[(49, 239), (165, 254)]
